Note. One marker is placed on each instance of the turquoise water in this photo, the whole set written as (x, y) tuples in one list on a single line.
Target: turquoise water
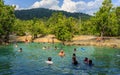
[(31, 61)]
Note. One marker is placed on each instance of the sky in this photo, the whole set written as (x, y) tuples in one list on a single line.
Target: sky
[(84, 6)]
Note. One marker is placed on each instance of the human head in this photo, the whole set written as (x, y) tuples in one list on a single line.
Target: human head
[(49, 59), (90, 62), (74, 49), (20, 48), (86, 58), (61, 51), (74, 54)]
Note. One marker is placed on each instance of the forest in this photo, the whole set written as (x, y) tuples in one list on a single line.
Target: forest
[(105, 22), (46, 13)]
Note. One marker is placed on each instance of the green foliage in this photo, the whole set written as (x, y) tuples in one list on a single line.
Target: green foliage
[(46, 13), (32, 27), (7, 18), (37, 27), (64, 28), (22, 27), (118, 13), (63, 34), (118, 18), (71, 23), (112, 24), (104, 21)]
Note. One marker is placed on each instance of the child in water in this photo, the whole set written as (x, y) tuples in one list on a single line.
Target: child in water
[(49, 61)]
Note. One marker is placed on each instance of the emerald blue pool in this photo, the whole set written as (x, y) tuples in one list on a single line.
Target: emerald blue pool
[(31, 61)]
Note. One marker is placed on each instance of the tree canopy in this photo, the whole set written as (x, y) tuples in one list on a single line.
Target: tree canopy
[(104, 21), (7, 18)]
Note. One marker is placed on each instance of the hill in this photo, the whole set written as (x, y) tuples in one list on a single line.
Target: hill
[(46, 13)]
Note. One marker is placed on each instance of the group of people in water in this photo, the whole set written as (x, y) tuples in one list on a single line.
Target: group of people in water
[(86, 60), (62, 54), (74, 58)]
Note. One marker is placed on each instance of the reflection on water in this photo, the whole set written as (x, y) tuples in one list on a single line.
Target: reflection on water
[(31, 61)]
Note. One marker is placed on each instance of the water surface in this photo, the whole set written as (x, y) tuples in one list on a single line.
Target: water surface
[(31, 61)]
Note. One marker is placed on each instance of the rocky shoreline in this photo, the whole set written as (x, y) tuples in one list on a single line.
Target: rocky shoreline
[(82, 40)]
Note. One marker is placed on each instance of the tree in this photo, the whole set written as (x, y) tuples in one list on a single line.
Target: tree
[(37, 27), (53, 22), (7, 18), (101, 18), (118, 18), (63, 33), (71, 23), (21, 27), (112, 24)]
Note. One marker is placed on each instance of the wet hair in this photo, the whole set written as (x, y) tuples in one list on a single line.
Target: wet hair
[(74, 49), (86, 59), (74, 54), (90, 62), (62, 51), (20, 48), (49, 58)]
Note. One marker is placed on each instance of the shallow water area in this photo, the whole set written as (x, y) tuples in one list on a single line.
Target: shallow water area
[(31, 61)]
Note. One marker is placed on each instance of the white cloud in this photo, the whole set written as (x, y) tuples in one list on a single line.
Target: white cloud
[(51, 4), (69, 5)]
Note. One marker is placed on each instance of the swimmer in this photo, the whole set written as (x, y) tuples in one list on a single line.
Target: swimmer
[(44, 47), (90, 63), (49, 61), (86, 60), (20, 50), (74, 60), (61, 53), (16, 45), (56, 48), (74, 50)]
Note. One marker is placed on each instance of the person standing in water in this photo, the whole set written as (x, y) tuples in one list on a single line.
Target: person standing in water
[(61, 53), (74, 60), (75, 50)]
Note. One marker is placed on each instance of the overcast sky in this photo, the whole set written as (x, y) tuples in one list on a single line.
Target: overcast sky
[(84, 6)]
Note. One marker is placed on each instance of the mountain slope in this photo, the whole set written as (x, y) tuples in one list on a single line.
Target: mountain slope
[(45, 13)]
